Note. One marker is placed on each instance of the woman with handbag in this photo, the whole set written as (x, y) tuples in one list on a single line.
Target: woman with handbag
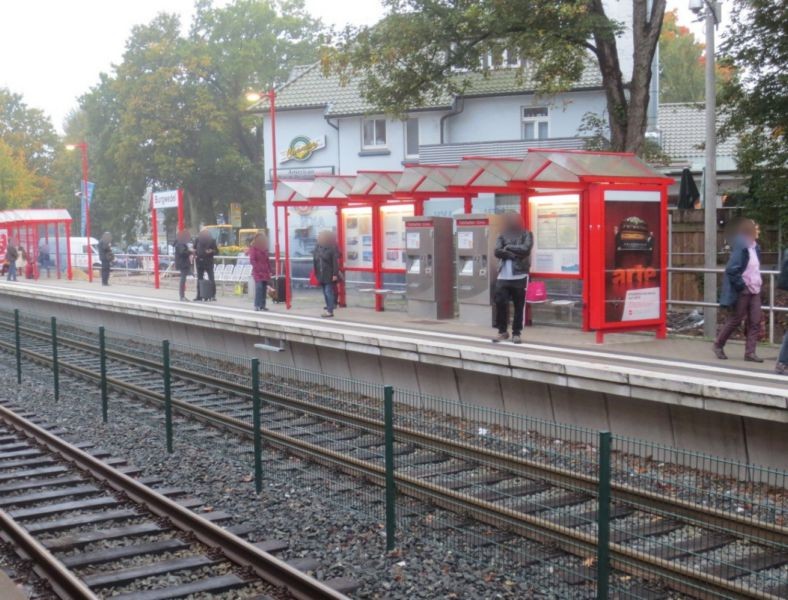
[(261, 269)]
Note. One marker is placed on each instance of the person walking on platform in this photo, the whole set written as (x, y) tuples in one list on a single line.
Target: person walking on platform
[(183, 255), (11, 255), (105, 256), (261, 269), (782, 283), (325, 262), (205, 250), (741, 291), (513, 251)]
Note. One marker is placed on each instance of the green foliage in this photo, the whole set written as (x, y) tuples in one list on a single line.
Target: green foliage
[(680, 63), (755, 103), (19, 185), (594, 128)]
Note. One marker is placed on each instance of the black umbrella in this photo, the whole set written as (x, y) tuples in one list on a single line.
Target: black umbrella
[(688, 191)]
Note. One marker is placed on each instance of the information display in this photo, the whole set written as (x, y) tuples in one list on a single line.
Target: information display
[(358, 237), (394, 240), (555, 224), (632, 265)]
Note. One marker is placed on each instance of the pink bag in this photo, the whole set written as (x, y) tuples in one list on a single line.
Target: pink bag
[(536, 292)]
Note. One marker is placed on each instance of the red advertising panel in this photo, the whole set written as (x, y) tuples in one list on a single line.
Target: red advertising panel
[(632, 239)]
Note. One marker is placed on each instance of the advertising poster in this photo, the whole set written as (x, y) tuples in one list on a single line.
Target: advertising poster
[(632, 263), (393, 228), (3, 241), (555, 224), (358, 238)]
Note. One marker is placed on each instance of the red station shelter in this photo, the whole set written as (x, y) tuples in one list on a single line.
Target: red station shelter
[(32, 227), (597, 217)]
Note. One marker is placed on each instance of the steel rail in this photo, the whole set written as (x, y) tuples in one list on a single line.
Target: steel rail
[(264, 565), (628, 560)]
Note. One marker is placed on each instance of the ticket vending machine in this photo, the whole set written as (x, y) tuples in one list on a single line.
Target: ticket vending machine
[(477, 266), (429, 273)]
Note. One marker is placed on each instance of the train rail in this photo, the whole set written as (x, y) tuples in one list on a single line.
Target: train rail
[(92, 530), (540, 501)]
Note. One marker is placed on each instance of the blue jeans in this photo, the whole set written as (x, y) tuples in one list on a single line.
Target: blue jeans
[(11, 271), (260, 293), (329, 293), (784, 350)]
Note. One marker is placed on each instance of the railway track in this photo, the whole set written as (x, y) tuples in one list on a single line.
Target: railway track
[(692, 548), (93, 531)]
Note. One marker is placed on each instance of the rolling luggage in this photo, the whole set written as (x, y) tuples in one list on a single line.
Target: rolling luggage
[(207, 290), (277, 283)]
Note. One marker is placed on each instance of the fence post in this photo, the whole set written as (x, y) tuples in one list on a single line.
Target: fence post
[(256, 424), (603, 517), (391, 489), (18, 345), (55, 368), (165, 354), (103, 370)]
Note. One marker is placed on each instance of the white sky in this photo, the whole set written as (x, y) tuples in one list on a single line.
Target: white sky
[(51, 51)]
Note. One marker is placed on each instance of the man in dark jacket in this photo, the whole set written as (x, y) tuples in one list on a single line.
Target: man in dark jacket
[(741, 291), (11, 254), (513, 251), (183, 263), (205, 250), (325, 262), (105, 256), (782, 282)]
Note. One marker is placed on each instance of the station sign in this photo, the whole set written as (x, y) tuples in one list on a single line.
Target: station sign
[(166, 199)]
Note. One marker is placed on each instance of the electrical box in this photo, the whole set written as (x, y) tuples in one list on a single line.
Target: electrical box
[(429, 272), (476, 265)]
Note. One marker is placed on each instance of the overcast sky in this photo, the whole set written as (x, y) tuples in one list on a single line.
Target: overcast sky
[(52, 51)]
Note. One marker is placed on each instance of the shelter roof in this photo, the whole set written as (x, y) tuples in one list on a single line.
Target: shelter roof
[(35, 215)]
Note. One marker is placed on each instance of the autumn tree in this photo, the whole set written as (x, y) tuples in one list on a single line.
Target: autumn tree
[(415, 52), (20, 187)]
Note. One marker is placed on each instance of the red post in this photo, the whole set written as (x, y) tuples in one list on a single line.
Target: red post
[(342, 288), (377, 253), (69, 273), (467, 206), (155, 226), (418, 208), (181, 226), (57, 249), (287, 258), (83, 147)]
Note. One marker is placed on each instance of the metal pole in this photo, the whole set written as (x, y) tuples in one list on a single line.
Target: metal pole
[(84, 148), (256, 425), (165, 356), (603, 518), (710, 181), (55, 369), (18, 347), (103, 370), (391, 489)]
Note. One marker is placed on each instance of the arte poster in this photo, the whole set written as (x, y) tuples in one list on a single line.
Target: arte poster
[(555, 223), (358, 238), (393, 229), (632, 251)]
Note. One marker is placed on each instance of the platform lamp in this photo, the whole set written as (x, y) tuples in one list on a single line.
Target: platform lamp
[(270, 95), (83, 148)]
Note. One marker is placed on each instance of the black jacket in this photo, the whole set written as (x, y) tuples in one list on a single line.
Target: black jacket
[(201, 249), (517, 248), (105, 252), (11, 254), (325, 261), (782, 279), (733, 280), (182, 254)]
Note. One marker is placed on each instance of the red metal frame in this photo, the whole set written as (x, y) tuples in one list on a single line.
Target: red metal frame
[(30, 227)]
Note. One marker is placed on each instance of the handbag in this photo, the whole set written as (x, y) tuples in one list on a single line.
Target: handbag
[(536, 292), (313, 278)]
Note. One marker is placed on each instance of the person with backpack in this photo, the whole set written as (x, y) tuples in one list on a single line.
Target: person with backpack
[(11, 255), (325, 262), (741, 291), (205, 250), (183, 262), (781, 368), (261, 269), (513, 251)]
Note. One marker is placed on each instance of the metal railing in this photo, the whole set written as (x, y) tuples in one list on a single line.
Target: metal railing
[(770, 280)]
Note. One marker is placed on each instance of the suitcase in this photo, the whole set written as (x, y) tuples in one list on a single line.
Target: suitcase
[(277, 283), (206, 289)]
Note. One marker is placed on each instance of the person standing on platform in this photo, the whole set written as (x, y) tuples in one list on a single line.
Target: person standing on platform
[(261, 269), (43, 257), (741, 291), (782, 283), (21, 261), (183, 255), (105, 256), (205, 250), (513, 251), (11, 256), (325, 262)]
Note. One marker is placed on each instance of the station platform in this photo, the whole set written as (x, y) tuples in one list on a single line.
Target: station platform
[(669, 391)]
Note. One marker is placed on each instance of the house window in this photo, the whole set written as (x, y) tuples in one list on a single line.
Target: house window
[(373, 133), (536, 123), (412, 138)]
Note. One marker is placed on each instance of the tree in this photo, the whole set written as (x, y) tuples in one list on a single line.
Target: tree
[(681, 64), (19, 186), (414, 54), (755, 102)]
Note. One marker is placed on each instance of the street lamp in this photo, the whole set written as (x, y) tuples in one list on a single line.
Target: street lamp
[(710, 170), (83, 148)]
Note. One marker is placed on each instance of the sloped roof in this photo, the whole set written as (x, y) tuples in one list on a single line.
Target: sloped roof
[(308, 88), (33, 215), (683, 128)]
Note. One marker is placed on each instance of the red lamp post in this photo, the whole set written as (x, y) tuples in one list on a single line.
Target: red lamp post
[(83, 149)]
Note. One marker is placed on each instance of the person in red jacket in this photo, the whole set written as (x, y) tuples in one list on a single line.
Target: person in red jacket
[(261, 269)]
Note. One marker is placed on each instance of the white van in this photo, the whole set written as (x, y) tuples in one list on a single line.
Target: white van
[(79, 252)]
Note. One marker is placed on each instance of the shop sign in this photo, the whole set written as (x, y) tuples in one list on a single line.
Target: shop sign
[(301, 172), (235, 214), (302, 148)]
